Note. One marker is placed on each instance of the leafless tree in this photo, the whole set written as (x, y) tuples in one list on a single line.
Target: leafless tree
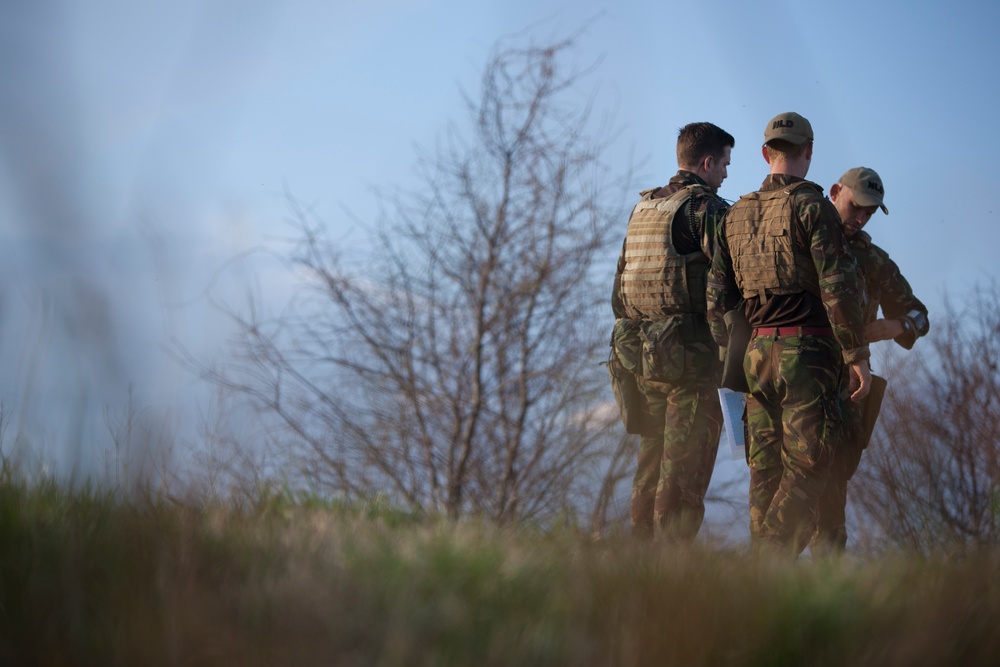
[(930, 480), (456, 365)]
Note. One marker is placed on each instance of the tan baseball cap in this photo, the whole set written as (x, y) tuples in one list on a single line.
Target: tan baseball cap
[(866, 186), (789, 126)]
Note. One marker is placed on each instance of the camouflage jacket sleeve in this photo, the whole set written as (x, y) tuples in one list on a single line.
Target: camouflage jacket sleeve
[(839, 283), (708, 212), (722, 293), (894, 294), (616, 291)]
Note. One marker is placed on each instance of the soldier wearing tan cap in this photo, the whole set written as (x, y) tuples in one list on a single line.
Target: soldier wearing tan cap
[(782, 251), (857, 196)]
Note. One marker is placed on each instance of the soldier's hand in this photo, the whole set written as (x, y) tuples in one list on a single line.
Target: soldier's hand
[(883, 330), (860, 380)]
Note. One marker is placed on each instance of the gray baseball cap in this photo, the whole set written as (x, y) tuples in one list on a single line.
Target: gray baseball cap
[(789, 126), (866, 186)]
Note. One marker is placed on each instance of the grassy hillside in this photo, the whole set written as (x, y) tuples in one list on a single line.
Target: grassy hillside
[(87, 579)]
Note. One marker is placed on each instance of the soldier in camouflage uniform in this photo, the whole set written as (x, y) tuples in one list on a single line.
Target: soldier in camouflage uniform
[(783, 251), (857, 195), (659, 306)]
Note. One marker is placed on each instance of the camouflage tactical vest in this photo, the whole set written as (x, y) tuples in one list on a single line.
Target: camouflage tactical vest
[(658, 281), (766, 259)]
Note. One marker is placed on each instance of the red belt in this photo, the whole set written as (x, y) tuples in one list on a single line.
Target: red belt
[(794, 331)]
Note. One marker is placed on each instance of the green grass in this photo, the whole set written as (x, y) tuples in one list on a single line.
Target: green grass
[(89, 579)]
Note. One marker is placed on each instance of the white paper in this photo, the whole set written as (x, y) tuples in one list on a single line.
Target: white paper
[(733, 403)]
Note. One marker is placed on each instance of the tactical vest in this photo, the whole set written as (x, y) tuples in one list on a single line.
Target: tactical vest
[(658, 281), (766, 259)]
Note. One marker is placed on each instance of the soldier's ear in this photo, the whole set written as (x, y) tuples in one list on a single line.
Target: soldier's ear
[(835, 191), (707, 162), (763, 151)]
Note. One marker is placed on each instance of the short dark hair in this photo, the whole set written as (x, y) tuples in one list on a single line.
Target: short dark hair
[(696, 141), (786, 149)]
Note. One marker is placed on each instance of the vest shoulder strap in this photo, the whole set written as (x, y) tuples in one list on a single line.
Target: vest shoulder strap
[(673, 202)]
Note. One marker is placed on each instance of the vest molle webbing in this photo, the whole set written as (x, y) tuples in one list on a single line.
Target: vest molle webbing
[(766, 259), (658, 281)]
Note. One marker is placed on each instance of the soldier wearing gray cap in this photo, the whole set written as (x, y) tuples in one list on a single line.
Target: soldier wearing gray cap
[(857, 196), (782, 258)]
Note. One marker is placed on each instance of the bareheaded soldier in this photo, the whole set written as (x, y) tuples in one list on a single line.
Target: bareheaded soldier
[(782, 250), (857, 195), (659, 306)]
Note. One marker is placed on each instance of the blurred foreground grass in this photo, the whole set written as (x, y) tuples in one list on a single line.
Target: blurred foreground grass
[(89, 579)]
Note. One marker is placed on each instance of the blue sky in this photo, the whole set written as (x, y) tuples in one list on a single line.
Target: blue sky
[(145, 144)]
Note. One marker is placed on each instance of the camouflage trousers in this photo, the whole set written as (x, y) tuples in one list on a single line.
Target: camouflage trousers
[(831, 521), (793, 423), (675, 465)]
